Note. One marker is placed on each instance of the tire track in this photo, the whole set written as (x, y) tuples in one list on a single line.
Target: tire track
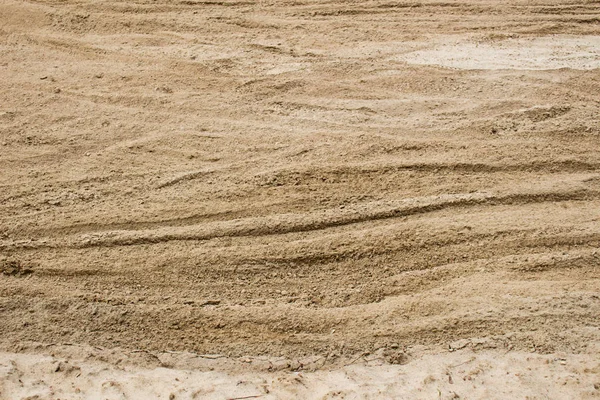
[(285, 176), (296, 223)]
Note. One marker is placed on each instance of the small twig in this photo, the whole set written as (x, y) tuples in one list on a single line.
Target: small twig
[(463, 363), (211, 357), (246, 397), (357, 358)]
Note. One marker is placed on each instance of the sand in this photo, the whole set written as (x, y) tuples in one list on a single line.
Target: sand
[(485, 374), (304, 183)]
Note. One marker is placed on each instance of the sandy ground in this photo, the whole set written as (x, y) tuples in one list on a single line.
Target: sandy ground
[(80, 373), (302, 180)]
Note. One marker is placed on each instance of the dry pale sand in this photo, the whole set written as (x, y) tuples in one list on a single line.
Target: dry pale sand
[(77, 372), (306, 184)]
